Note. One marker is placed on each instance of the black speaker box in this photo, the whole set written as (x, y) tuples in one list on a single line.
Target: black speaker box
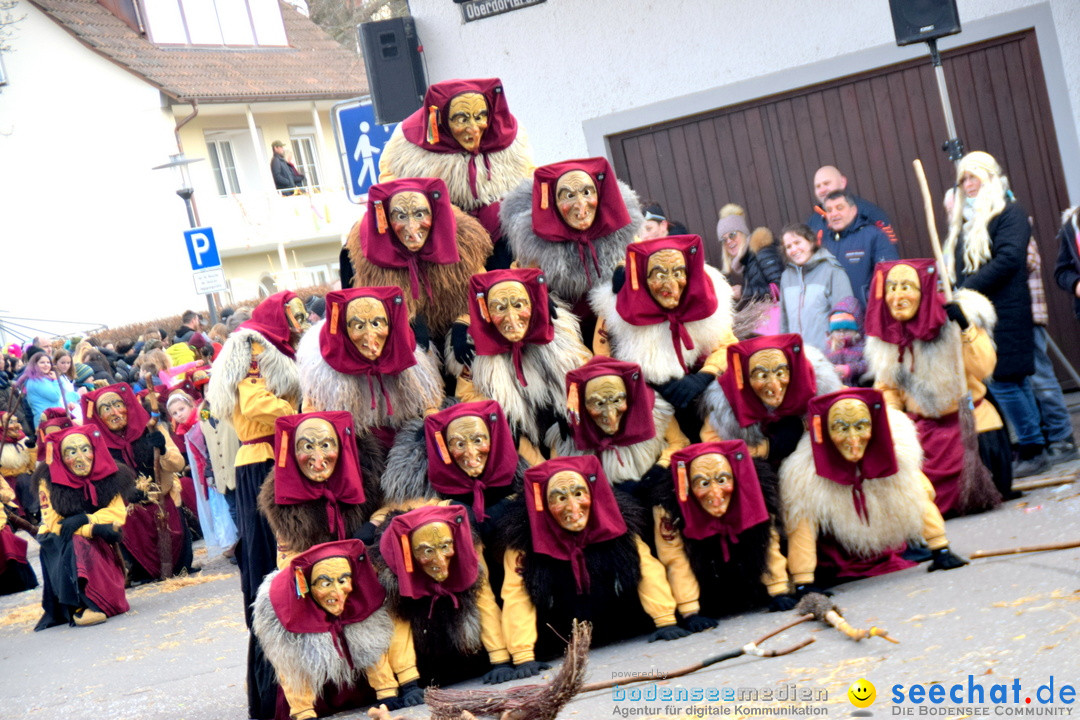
[(395, 70), (917, 21)]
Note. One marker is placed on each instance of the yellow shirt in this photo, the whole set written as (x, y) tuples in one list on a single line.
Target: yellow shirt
[(256, 410)]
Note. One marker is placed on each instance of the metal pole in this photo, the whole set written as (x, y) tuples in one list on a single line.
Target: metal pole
[(954, 146), (186, 195)]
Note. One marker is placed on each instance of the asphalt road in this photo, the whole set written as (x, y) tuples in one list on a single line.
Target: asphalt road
[(179, 652)]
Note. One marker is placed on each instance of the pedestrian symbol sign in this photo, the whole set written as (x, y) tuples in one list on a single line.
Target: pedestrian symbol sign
[(359, 143)]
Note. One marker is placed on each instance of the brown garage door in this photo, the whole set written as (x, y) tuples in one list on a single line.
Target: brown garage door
[(762, 154)]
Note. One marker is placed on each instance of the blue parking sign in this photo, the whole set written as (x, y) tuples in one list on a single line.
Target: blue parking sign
[(360, 141), (201, 248)]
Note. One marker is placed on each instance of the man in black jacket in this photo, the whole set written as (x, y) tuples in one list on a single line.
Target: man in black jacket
[(1067, 269), (284, 180)]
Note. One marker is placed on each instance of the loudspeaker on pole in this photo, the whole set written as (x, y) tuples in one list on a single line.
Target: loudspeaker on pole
[(395, 69), (917, 21)]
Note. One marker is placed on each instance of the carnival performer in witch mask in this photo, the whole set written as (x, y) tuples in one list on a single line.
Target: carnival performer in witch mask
[(762, 398), (912, 349), (716, 525), (465, 135), (575, 551), (573, 220), (82, 513), (447, 625), (412, 237), (853, 493), (322, 624), (525, 346)]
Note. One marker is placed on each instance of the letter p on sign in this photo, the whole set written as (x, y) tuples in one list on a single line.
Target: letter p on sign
[(202, 248)]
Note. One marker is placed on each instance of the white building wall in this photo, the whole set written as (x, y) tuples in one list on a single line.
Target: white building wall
[(83, 215), (573, 63)]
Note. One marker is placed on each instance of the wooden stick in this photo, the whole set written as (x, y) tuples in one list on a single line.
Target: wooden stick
[(935, 241), (1025, 549), (1046, 482)]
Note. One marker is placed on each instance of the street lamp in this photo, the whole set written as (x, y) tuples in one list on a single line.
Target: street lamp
[(179, 165)]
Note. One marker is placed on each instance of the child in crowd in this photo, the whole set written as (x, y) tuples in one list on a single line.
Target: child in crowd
[(846, 341)]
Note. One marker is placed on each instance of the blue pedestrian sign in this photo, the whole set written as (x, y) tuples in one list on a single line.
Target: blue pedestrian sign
[(359, 143), (201, 248)]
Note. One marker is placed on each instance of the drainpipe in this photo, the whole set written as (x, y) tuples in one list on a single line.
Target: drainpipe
[(180, 146)]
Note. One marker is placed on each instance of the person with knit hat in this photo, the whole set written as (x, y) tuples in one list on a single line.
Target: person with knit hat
[(846, 343), (812, 283), (253, 382), (853, 492), (986, 251), (657, 223), (716, 527), (751, 262), (465, 134), (447, 625), (326, 633), (82, 515), (574, 551), (913, 343)]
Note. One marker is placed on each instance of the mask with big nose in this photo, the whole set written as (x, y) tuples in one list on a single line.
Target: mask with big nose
[(410, 218), (510, 309), (112, 411), (77, 454), (297, 315), (850, 428), (367, 326), (576, 198), (432, 547), (469, 442), (606, 403), (666, 278), (770, 374), (331, 583), (468, 119), (569, 500), (712, 482), (317, 448), (903, 292)]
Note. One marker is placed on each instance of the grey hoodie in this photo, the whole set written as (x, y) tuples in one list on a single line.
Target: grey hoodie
[(809, 293)]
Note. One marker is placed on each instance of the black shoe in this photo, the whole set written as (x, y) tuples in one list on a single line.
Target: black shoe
[(1032, 466), (916, 553), (1061, 451)]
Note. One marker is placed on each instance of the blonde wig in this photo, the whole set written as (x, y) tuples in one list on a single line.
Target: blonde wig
[(987, 205)]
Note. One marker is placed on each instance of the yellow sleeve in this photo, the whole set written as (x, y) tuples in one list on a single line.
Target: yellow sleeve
[(402, 654), (171, 460), (802, 552), (709, 433), (716, 363), (529, 452), (980, 358), (380, 677), (775, 577), (894, 396), (300, 696), (672, 553), (491, 631), (50, 520), (6, 493), (933, 523), (466, 391), (676, 441), (258, 404), (115, 513), (518, 613), (653, 589)]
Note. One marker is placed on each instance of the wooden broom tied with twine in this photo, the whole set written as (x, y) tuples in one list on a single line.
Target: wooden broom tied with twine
[(820, 607)]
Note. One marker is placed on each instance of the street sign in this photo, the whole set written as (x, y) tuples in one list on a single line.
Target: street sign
[(210, 280), (201, 248), (359, 142)]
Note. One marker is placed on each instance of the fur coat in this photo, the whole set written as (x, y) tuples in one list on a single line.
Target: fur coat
[(232, 366), (67, 501), (17, 459), (894, 504), (561, 261), (449, 283), (928, 372), (650, 345), (311, 658), (631, 461), (402, 159), (411, 392)]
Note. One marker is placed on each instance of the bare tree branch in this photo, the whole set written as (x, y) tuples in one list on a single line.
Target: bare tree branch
[(339, 18)]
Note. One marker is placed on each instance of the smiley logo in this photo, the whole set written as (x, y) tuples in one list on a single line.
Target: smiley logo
[(862, 693)]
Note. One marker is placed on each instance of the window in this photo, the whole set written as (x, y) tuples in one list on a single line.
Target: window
[(303, 147), (224, 166), (215, 22)]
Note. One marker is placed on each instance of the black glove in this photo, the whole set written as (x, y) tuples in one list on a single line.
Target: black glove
[(529, 669), (157, 441), (106, 532), (671, 632), (956, 315), (696, 623), (782, 603), (618, 279), (553, 311), (653, 477), (464, 352), (499, 674), (801, 590), (366, 533), (945, 559), (69, 525), (420, 330), (685, 390), (408, 695)]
